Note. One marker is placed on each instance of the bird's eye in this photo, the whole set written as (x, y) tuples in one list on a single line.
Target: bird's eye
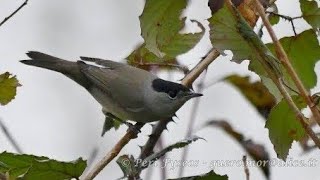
[(172, 94)]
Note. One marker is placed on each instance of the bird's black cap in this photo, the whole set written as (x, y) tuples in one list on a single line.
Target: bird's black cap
[(168, 87)]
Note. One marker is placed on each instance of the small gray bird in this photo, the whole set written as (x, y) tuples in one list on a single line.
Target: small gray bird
[(126, 92)]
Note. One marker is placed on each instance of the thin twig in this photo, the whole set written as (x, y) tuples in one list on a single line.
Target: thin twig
[(288, 18), (191, 124), (14, 12), (246, 169), (163, 170), (281, 54), (187, 81), (10, 137)]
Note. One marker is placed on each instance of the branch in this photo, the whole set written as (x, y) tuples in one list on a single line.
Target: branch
[(187, 81), (14, 12), (281, 54), (288, 18), (191, 121), (10, 137), (113, 152)]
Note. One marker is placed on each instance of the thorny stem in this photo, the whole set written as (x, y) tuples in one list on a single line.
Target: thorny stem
[(191, 124), (281, 54)]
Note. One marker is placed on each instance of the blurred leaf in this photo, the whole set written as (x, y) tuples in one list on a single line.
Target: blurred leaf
[(310, 12), (208, 176), (274, 19), (144, 59), (141, 54), (256, 151), (155, 156), (34, 167), (160, 26), (255, 92), (303, 51), (8, 87), (127, 165), (283, 127)]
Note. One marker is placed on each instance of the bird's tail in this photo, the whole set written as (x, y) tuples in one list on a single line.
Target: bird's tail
[(68, 68), (49, 62)]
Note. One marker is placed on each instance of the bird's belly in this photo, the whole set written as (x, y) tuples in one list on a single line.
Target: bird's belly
[(109, 105)]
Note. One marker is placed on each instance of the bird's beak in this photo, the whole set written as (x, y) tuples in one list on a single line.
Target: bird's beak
[(193, 95)]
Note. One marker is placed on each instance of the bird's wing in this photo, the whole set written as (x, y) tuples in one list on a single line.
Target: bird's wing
[(103, 62), (121, 87)]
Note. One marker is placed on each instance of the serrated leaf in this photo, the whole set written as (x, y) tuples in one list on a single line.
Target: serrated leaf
[(208, 176), (155, 156), (229, 31), (283, 127), (303, 51), (310, 12), (35, 167), (224, 35), (255, 92), (8, 87), (55, 170), (160, 27)]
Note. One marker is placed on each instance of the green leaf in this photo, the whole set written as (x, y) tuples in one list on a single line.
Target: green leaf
[(303, 51), (141, 54), (256, 93), (310, 12), (208, 176), (34, 167), (8, 87), (274, 19), (161, 25), (283, 127), (155, 156), (229, 31), (54, 170), (224, 35), (110, 122)]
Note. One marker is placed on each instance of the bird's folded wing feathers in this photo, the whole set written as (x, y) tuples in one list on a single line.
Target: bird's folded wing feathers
[(121, 89), (103, 62)]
